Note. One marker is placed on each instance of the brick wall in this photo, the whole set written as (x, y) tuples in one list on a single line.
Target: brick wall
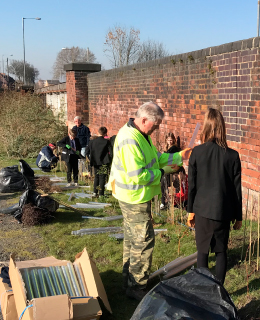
[(77, 91), (185, 85)]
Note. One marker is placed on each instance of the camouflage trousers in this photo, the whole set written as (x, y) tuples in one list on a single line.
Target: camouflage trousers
[(138, 243)]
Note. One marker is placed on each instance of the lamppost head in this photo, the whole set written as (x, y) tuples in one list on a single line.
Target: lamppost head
[(38, 18)]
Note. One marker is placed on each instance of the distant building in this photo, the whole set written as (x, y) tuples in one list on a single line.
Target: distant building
[(6, 82), (46, 83)]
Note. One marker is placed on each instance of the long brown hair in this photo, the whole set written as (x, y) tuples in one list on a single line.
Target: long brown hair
[(214, 128), (170, 135)]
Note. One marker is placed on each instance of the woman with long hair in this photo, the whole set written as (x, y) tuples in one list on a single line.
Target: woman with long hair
[(171, 143), (214, 197)]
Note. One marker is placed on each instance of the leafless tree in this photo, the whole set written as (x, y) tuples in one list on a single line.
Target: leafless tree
[(122, 46), (151, 50), (71, 55), (31, 73)]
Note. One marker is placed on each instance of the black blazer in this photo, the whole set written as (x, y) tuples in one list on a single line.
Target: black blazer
[(215, 183), (99, 151), (65, 155)]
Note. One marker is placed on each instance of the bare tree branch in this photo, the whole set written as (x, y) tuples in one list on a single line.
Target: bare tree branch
[(122, 46), (151, 50), (71, 55)]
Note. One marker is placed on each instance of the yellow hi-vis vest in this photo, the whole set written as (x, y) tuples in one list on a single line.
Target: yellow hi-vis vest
[(135, 176)]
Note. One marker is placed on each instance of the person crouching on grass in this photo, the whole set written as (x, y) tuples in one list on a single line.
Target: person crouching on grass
[(70, 154), (46, 159)]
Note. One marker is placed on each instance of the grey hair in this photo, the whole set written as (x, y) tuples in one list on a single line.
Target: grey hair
[(151, 111), (77, 118)]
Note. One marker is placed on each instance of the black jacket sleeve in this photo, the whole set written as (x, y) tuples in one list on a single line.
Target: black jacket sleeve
[(192, 178), (237, 183), (62, 143)]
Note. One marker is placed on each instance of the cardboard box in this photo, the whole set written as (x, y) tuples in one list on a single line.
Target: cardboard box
[(60, 307), (8, 307)]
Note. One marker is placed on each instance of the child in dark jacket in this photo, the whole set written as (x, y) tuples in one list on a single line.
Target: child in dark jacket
[(99, 153), (46, 159), (70, 154), (171, 146)]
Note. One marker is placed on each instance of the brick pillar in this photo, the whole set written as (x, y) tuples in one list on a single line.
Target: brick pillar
[(77, 90)]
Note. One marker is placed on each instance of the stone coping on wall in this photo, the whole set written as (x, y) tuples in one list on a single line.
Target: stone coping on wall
[(83, 66), (246, 44)]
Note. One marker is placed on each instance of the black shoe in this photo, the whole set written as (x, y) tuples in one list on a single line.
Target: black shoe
[(136, 293)]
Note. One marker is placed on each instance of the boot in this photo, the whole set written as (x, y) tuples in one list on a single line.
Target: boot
[(136, 293)]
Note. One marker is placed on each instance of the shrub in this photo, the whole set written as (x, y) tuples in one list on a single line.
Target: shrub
[(26, 124)]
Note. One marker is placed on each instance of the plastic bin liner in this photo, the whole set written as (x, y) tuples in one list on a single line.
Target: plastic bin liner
[(31, 196), (197, 295), (26, 170), (11, 180)]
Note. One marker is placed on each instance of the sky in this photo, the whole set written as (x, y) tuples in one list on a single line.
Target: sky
[(181, 25)]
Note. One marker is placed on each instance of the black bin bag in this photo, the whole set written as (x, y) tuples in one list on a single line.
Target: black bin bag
[(26, 170), (11, 180), (35, 198), (197, 295)]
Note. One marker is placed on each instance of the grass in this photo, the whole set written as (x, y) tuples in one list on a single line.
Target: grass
[(242, 281)]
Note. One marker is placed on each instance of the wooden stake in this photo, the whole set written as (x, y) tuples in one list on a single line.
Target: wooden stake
[(245, 226), (172, 202), (257, 261), (180, 197), (250, 234), (156, 205)]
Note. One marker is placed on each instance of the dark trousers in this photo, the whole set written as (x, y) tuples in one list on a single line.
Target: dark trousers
[(100, 179), (72, 166), (221, 263)]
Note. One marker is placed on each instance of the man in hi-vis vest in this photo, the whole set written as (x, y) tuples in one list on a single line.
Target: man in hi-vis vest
[(136, 172)]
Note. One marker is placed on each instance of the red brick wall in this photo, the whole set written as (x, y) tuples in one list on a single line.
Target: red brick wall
[(77, 96), (184, 85)]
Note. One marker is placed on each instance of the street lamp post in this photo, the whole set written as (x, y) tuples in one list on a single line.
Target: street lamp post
[(24, 47)]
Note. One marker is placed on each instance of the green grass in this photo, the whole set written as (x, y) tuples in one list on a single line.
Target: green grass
[(242, 281)]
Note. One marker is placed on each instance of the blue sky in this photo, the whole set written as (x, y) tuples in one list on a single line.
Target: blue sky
[(182, 26)]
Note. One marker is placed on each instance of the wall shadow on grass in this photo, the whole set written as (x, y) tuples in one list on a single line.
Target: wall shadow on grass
[(251, 311), (122, 306)]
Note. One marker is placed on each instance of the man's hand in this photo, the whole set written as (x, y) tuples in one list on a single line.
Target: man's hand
[(191, 220), (237, 225), (186, 153), (68, 146), (170, 169)]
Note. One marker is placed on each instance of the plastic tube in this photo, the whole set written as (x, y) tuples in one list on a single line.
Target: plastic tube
[(28, 284), (111, 218), (177, 263), (74, 280), (49, 282), (179, 268), (43, 285), (62, 280), (55, 280), (35, 283), (97, 230), (68, 281), (80, 279)]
